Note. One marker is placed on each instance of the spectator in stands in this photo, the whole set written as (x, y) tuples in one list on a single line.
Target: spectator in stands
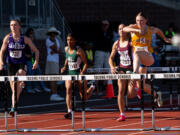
[(15, 44), (89, 54), (170, 32), (31, 87), (75, 57), (123, 47), (116, 35), (103, 46), (52, 61)]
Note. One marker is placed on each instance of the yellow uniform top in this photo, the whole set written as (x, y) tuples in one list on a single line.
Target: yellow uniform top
[(142, 41)]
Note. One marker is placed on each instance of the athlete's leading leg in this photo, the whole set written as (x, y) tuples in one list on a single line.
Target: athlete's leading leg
[(141, 57)]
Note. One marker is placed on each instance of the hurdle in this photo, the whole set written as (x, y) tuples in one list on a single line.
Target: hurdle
[(163, 76), (136, 77), (38, 78), (5, 80), (149, 69), (115, 77)]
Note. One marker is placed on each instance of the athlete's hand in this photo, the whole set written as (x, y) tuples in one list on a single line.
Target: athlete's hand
[(63, 69), (35, 65), (114, 70), (167, 40)]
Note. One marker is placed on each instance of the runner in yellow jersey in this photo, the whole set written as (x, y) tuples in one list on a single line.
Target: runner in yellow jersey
[(141, 35)]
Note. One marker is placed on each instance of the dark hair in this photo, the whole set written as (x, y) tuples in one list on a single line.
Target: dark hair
[(17, 20), (28, 32), (143, 14), (72, 35)]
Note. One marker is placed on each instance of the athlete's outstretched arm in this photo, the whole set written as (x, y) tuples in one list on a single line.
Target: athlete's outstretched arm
[(155, 30), (131, 28)]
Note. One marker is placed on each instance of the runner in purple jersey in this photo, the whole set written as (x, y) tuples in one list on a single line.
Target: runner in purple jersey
[(15, 44)]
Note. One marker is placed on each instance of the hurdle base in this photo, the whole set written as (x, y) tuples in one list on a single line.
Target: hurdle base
[(156, 109), (169, 129), (12, 130), (48, 130), (111, 130), (3, 131)]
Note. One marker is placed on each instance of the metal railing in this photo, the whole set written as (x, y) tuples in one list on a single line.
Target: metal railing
[(33, 13)]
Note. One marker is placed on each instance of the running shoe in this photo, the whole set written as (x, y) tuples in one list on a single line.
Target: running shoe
[(37, 90), (121, 118), (68, 115), (56, 97), (12, 112), (47, 89), (158, 99)]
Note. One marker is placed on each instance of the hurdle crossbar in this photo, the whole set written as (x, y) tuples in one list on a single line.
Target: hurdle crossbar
[(131, 76), (149, 69)]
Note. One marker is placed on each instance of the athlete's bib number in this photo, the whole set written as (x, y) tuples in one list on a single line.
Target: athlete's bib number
[(124, 58), (73, 66), (15, 54), (126, 62)]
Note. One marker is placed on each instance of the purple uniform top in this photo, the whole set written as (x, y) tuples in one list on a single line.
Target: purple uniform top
[(125, 55), (16, 51)]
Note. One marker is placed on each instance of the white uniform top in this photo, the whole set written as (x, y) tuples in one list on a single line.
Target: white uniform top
[(52, 57)]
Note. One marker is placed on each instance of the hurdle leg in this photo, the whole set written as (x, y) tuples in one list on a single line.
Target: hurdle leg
[(73, 102), (15, 102), (153, 105), (83, 102), (142, 102), (6, 103), (178, 94)]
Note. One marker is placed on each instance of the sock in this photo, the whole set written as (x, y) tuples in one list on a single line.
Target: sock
[(69, 110), (122, 114)]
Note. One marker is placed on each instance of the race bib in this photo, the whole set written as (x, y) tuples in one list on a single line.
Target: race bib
[(73, 66), (124, 58), (126, 62), (145, 48), (15, 54)]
